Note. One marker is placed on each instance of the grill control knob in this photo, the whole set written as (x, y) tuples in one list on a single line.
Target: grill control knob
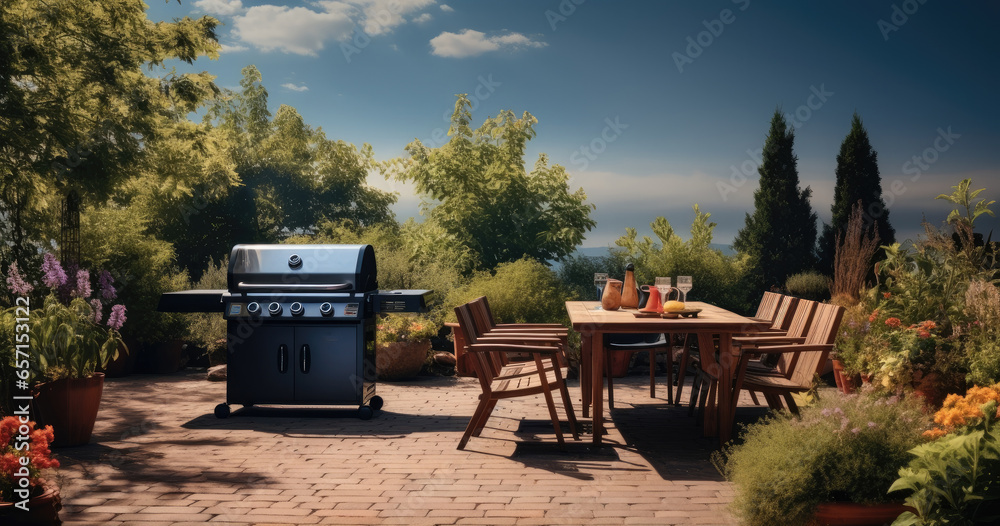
[(294, 261), (296, 309), (274, 309), (326, 309), (253, 308)]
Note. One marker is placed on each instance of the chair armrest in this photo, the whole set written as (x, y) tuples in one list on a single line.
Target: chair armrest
[(774, 349), (533, 330), (518, 339), (531, 325), (765, 340), (505, 347)]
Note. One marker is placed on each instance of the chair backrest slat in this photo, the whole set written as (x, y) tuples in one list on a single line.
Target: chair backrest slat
[(804, 311), (786, 310), (768, 306), (822, 331)]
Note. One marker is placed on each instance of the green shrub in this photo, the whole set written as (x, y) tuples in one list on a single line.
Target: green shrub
[(577, 274), (523, 291), (717, 278), (208, 329), (809, 285), (843, 448), (117, 239)]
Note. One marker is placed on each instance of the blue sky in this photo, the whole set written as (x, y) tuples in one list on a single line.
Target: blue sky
[(651, 106)]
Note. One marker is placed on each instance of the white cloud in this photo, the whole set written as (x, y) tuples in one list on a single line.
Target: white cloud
[(447, 8), (305, 30), (232, 48), (424, 18), (220, 7), (294, 30), (470, 43), (295, 87)]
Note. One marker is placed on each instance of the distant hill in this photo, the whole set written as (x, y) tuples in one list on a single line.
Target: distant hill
[(603, 251)]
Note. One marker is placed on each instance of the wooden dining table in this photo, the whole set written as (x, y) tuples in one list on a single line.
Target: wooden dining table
[(714, 326)]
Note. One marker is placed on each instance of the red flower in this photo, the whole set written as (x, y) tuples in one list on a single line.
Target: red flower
[(874, 316), (886, 295), (929, 325), (893, 322), (923, 334)]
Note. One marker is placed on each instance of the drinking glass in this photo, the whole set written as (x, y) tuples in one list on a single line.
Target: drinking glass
[(600, 280), (684, 284), (662, 285)]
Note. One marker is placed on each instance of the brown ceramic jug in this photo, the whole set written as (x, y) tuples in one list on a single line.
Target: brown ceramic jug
[(630, 293), (611, 299)]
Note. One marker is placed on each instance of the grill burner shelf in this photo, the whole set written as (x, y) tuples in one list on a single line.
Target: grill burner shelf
[(300, 324)]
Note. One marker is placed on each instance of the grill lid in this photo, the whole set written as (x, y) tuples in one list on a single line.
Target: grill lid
[(302, 268)]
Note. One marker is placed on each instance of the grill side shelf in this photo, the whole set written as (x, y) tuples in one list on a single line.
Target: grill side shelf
[(401, 300), (205, 300)]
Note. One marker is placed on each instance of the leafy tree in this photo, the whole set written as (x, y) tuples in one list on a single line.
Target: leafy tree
[(78, 112), (780, 235), (290, 178), (477, 191), (716, 276), (858, 179)]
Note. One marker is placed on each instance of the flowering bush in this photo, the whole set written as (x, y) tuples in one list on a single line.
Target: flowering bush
[(18, 462), (404, 328), (955, 479), (844, 448), (70, 335)]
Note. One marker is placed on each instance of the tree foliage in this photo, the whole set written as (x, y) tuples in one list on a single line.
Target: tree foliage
[(289, 178), (858, 179), (477, 191), (78, 112), (780, 236)]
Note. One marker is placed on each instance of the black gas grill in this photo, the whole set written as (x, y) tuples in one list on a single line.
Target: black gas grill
[(300, 323)]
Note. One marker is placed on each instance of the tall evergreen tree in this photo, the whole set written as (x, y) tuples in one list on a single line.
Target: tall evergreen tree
[(781, 233), (857, 179)]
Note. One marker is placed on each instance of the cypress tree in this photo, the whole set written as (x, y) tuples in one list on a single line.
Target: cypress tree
[(857, 179), (781, 233)]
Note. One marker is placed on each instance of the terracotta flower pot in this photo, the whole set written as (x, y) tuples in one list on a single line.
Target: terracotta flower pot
[(400, 360), (851, 514), (70, 406), (42, 509), (847, 384)]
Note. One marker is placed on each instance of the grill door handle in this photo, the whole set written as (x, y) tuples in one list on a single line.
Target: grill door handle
[(306, 359), (282, 358), (293, 286)]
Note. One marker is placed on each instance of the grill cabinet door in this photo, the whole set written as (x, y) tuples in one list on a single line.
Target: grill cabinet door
[(327, 368), (260, 368)]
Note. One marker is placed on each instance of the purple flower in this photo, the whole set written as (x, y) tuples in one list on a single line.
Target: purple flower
[(856, 430), (82, 289), (871, 425), (117, 317), (107, 285), (16, 282), (826, 412), (54, 274), (98, 307)]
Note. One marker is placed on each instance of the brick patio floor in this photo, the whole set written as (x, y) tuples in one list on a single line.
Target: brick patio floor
[(159, 456)]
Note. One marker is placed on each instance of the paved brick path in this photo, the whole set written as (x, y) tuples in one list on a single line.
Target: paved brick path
[(159, 456)]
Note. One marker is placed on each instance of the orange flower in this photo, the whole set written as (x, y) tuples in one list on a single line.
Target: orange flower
[(886, 295), (923, 334), (893, 322), (929, 325), (874, 316)]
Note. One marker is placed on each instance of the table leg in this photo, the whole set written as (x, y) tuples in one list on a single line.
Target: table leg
[(585, 380), (597, 384), (727, 398), (706, 349)]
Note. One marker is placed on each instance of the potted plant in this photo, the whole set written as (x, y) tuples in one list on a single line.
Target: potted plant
[(955, 479), (25, 496), (402, 345), (844, 451), (70, 338)]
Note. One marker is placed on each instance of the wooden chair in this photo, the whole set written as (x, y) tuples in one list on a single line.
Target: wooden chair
[(809, 358), (772, 308), (652, 343), (521, 334), (498, 383)]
